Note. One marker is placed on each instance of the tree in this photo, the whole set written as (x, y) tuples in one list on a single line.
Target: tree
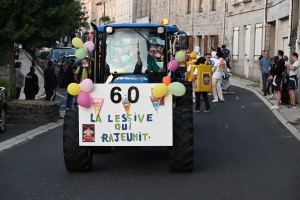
[(104, 19), (35, 23)]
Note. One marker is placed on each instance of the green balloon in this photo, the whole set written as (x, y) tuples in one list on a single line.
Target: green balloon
[(80, 53), (125, 58), (180, 56), (177, 89)]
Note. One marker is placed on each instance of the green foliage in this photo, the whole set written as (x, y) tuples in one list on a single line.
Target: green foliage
[(38, 23), (44, 55), (85, 24), (9, 88), (105, 19)]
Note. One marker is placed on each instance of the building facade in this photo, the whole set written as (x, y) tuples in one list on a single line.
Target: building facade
[(203, 20), (141, 11)]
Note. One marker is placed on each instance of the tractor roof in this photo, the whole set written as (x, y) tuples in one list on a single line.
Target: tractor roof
[(169, 29)]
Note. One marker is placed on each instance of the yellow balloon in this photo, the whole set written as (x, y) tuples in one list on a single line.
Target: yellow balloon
[(160, 90), (77, 42), (74, 89)]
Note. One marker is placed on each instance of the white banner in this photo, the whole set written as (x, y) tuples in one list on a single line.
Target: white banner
[(126, 115)]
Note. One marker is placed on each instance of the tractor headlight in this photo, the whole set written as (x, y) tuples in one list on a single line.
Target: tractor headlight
[(160, 30), (109, 29)]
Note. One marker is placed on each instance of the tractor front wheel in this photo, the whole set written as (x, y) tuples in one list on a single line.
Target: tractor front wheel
[(77, 158)]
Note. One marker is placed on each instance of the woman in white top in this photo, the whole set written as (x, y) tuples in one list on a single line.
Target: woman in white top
[(217, 70)]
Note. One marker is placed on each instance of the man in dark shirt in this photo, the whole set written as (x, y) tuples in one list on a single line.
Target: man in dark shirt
[(50, 82), (226, 53), (31, 84), (278, 71)]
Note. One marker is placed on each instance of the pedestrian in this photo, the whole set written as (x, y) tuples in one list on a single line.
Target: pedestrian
[(226, 75), (293, 80), (69, 75), (285, 97), (278, 70), (258, 63), (200, 61), (50, 83), (218, 70), (208, 60), (19, 79), (197, 51), (226, 52), (31, 84), (265, 63), (66, 40), (82, 72), (273, 76)]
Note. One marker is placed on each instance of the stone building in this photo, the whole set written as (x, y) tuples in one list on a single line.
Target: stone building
[(141, 11), (256, 25), (203, 20)]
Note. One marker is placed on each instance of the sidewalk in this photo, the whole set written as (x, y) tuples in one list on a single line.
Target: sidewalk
[(291, 117), (26, 64)]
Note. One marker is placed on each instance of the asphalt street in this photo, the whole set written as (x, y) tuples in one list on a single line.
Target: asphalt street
[(241, 152)]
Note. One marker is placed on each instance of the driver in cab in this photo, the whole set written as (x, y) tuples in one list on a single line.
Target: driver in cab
[(142, 57)]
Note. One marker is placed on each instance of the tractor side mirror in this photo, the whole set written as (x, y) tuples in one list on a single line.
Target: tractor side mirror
[(184, 42)]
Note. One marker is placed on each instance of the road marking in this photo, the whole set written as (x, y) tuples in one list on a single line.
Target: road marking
[(29, 135), (60, 95), (237, 97), (243, 107), (226, 126)]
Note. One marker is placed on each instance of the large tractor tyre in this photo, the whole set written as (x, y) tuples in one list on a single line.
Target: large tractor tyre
[(101, 149), (77, 158), (186, 101), (181, 154)]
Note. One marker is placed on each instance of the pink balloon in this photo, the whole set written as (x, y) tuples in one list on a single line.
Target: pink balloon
[(173, 65), (86, 85), (84, 99), (89, 46)]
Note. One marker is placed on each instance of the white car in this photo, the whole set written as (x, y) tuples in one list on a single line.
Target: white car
[(40, 50)]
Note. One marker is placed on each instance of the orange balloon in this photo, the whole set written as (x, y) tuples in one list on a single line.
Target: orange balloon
[(166, 80)]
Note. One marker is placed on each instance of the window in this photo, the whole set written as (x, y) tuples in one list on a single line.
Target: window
[(235, 48), (189, 6), (214, 4), (200, 6), (258, 40), (214, 41)]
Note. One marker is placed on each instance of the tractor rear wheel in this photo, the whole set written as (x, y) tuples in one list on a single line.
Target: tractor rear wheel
[(77, 158), (101, 149), (181, 154)]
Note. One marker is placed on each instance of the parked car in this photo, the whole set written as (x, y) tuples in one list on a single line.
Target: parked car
[(40, 50), (3, 109), (62, 64), (57, 51)]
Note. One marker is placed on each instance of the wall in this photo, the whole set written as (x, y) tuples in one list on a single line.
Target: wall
[(201, 25), (123, 11), (240, 15), (141, 11)]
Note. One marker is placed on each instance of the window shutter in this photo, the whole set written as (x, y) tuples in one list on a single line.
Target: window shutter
[(235, 48), (216, 41), (247, 40), (285, 28), (258, 40)]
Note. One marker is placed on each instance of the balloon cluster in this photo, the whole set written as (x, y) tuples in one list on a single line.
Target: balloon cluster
[(176, 88), (81, 90), (173, 64), (82, 50)]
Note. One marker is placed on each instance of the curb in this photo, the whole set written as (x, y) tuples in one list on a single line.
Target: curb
[(29, 135), (277, 114)]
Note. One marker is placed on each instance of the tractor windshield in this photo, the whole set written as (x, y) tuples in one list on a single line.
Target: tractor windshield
[(135, 51)]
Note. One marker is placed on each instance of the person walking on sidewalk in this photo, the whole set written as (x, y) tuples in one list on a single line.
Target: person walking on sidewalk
[(200, 61), (31, 84), (264, 68), (293, 80), (218, 70), (50, 83), (19, 79), (258, 63), (285, 97), (278, 70), (70, 79)]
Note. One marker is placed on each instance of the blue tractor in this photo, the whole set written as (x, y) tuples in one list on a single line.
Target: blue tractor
[(132, 56)]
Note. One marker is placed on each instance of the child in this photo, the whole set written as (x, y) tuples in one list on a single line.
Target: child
[(273, 65)]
